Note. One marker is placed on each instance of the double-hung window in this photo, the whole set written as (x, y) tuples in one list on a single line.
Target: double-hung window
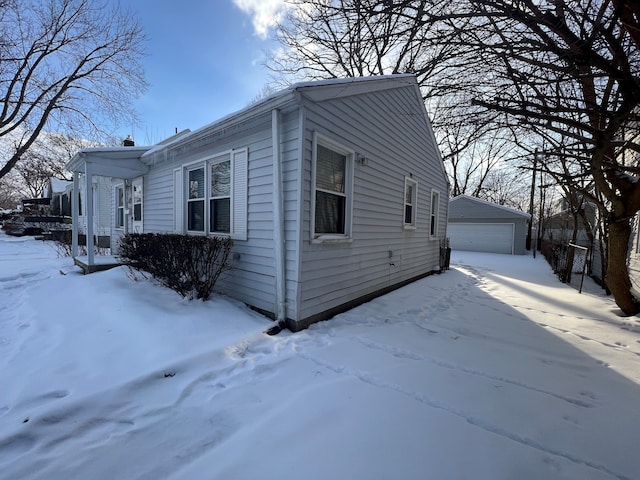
[(137, 201), (220, 195), (120, 206), (332, 190), (435, 207), (215, 192), (410, 202)]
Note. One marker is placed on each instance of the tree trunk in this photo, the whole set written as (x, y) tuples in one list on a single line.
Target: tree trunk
[(617, 278)]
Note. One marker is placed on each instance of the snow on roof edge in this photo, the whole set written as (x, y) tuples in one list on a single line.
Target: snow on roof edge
[(276, 98), (491, 204)]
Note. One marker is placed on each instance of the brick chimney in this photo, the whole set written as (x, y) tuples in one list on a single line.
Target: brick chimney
[(128, 142)]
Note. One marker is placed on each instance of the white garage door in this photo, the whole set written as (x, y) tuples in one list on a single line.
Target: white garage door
[(481, 237)]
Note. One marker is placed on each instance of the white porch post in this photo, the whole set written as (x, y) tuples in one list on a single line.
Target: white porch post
[(88, 178), (75, 200)]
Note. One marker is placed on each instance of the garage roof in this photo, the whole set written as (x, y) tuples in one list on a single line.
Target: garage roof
[(468, 207)]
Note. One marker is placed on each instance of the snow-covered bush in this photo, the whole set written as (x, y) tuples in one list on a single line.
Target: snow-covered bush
[(187, 264)]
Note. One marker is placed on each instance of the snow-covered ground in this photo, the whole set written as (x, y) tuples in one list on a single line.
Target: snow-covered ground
[(492, 370)]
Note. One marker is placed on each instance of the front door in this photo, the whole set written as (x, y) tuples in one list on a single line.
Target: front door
[(136, 197)]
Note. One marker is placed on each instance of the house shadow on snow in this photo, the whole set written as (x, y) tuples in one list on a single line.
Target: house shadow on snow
[(533, 370)]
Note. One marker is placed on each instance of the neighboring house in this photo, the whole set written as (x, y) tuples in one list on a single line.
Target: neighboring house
[(55, 190), (559, 227), (333, 191), (558, 231), (476, 225)]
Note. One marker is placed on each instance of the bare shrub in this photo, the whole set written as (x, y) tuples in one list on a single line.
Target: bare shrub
[(189, 265)]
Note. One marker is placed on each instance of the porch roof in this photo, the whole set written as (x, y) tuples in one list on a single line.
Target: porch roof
[(118, 162)]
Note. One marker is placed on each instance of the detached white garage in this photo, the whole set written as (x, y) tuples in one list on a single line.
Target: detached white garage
[(476, 225)]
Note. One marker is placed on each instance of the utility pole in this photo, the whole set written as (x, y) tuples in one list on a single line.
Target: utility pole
[(533, 191)]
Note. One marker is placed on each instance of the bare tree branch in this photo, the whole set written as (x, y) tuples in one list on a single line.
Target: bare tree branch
[(62, 64)]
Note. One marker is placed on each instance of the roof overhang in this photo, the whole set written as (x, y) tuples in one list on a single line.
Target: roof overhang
[(117, 162)]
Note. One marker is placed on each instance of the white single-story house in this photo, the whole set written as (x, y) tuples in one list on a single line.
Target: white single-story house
[(477, 225), (333, 191)]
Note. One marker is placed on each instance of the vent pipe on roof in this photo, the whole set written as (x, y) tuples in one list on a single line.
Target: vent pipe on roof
[(128, 142)]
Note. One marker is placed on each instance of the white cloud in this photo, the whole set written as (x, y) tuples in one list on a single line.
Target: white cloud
[(265, 13)]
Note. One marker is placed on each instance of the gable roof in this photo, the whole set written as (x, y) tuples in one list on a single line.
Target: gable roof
[(130, 162), (460, 199), (119, 162), (318, 90), (57, 185)]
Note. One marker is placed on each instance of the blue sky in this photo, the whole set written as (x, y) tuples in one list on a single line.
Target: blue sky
[(205, 60)]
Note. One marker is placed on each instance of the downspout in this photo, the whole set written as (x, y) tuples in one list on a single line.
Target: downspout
[(278, 221)]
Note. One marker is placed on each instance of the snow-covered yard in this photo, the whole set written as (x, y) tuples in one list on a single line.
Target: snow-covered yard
[(492, 370)]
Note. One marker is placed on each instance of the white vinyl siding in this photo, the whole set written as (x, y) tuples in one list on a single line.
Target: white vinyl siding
[(384, 134), (388, 129), (251, 278)]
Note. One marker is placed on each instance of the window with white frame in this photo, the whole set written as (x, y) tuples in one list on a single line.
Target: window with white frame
[(435, 208), (195, 199), (220, 195), (137, 201), (410, 202), (120, 206), (332, 189), (215, 192)]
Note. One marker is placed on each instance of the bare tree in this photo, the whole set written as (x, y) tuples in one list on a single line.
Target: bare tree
[(563, 74), (65, 66), (570, 73), (507, 186), (354, 38), (9, 197), (45, 159)]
